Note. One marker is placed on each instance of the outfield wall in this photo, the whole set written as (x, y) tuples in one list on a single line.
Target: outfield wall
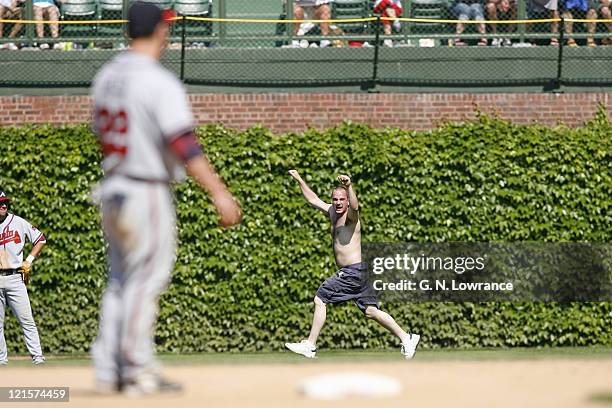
[(285, 112)]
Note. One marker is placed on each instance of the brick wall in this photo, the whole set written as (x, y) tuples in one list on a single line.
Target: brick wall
[(294, 111)]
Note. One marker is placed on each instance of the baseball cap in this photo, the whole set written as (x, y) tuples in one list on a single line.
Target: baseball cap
[(144, 17), (4, 197)]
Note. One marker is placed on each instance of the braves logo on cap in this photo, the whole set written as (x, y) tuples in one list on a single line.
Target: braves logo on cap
[(3, 196)]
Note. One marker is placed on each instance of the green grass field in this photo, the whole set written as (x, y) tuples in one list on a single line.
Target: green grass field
[(349, 356)]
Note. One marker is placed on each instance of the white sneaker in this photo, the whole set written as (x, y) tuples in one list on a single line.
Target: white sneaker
[(388, 43), (408, 349), (506, 42), (44, 46), (497, 42), (12, 46), (304, 348), (38, 360), (150, 383), (325, 43), (3, 362)]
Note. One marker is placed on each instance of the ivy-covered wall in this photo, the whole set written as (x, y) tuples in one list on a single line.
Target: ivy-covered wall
[(251, 287)]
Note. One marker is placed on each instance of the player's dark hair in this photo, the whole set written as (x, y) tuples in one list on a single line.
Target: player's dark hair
[(142, 19)]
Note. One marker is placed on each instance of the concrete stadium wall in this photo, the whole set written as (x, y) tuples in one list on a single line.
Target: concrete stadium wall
[(286, 112)]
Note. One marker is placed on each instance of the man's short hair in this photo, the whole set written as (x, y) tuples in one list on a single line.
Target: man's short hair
[(343, 188)]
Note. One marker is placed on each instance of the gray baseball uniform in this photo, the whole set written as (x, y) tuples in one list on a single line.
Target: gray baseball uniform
[(14, 231), (139, 107)]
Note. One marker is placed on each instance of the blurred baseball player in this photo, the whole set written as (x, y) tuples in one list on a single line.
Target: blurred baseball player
[(350, 281), (145, 127), (14, 276)]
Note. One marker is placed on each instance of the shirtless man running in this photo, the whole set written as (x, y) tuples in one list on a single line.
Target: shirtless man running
[(350, 282)]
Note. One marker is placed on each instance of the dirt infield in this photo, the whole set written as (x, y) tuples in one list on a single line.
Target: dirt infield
[(523, 383)]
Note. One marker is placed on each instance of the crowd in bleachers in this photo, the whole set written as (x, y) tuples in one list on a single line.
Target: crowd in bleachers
[(480, 11), (43, 9)]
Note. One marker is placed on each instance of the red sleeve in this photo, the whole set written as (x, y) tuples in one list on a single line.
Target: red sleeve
[(186, 146)]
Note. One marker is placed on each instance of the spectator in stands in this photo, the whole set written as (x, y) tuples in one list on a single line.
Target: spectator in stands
[(392, 9), (579, 9), (466, 10), (605, 10), (501, 10), (537, 9), (313, 10), (42, 9), (11, 10)]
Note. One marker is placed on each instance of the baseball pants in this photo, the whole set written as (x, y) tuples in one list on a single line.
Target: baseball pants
[(139, 224), (13, 292)]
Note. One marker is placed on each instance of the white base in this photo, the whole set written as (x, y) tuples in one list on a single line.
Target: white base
[(335, 386)]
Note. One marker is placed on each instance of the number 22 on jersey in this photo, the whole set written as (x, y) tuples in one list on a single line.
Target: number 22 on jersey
[(112, 127)]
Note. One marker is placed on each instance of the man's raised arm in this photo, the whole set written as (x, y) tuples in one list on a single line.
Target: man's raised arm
[(309, 195), (352, 197)]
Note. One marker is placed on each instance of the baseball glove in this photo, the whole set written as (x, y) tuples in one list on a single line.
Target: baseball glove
[(25, 272)]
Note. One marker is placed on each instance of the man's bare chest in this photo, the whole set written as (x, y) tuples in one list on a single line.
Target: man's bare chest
[(343, 230)]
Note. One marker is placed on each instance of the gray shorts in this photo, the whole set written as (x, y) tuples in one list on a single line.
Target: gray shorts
[(349, 283)]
